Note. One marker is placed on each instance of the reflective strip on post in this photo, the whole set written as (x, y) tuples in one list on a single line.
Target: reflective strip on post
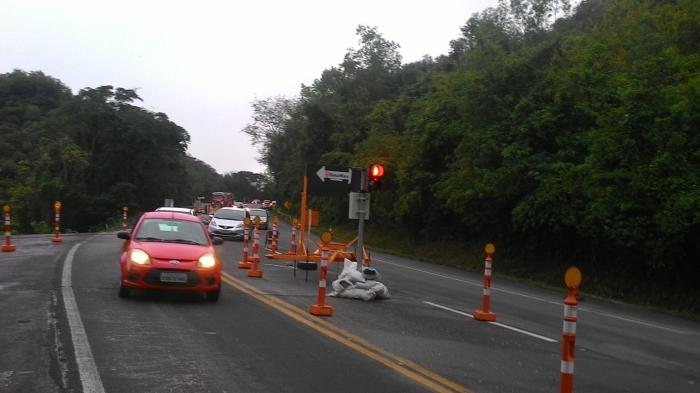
[(567, 367), (569, 327)]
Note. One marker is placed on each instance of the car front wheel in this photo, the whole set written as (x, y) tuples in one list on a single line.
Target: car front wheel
[(124, 292), (213, 296)]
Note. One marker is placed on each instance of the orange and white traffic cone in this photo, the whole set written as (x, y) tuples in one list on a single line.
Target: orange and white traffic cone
[(57, 223), (485, 314), (8, 246), (568, 342), (125, 223), (245, 263), (274, 237), (293, 242), (254, 271), (321, 308)]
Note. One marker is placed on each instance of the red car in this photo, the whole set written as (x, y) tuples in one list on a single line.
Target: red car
[(170, 251)]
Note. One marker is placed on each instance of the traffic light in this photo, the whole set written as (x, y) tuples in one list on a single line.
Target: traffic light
[(375, 174)]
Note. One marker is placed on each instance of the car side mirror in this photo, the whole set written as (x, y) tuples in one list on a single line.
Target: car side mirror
[(217, 240), (124, 235)]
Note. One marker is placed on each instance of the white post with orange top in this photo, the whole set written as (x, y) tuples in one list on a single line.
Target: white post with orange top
[(572, 278)]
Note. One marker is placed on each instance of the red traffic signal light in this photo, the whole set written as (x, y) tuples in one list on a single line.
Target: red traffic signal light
[(376, 171)]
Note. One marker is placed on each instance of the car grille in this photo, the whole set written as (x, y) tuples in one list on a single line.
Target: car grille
[(153, 278)]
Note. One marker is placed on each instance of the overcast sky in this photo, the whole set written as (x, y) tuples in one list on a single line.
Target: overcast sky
[(203, 62)]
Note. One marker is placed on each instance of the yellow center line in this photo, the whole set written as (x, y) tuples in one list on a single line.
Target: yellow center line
[(403, 366)]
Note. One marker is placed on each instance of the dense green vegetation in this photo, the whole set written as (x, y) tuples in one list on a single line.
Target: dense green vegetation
[(564, 136), (95, 152)]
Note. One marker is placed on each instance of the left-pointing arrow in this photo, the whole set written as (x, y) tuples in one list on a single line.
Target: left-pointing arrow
[(321, 173), (324, 174)]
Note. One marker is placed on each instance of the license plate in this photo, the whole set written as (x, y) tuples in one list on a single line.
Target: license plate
[(173, 277)]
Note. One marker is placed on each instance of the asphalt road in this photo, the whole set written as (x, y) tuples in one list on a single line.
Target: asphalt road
[(260, 336)]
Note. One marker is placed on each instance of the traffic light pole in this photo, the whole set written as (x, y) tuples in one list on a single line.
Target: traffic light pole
[(362, 198)]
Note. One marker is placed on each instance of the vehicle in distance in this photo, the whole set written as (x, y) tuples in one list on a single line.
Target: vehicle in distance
[(266, 204), (262, 213), (222, 199), (170, 251), (185, 210), (228, 222)]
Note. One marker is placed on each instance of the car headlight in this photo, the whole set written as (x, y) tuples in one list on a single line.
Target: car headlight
[(207, 260), (212, 223), (139, 257)]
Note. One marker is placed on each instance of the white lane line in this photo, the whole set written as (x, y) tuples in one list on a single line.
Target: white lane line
[(636, 321), (87, 369), (515, 293), (471, 282), (525, 332)]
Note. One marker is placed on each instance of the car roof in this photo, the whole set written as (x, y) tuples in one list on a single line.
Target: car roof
[(230, 208), (170, 215), (186, 210)]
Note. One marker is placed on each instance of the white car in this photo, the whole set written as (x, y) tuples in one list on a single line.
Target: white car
[(262, 213), (228, 222)]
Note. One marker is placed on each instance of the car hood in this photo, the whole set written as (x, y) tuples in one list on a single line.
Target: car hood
[(183, 252)]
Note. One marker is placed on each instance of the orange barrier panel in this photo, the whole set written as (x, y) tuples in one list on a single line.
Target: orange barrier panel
[(8, 246), (485, 314), (320, 308)]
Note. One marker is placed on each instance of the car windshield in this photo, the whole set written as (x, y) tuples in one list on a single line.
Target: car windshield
[(175, 231), (262, 213), (228, 214)]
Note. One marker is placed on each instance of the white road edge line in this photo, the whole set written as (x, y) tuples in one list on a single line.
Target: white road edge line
[(87, 369), (584, 309), (525, 332)]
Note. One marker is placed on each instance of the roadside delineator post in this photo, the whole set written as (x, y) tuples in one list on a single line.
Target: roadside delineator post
[(572, 278), (254, 271), (8, 246), (293, 244), (485, 314), (321, 308), (57, 223), (124, 220), (245, 263), (275, 220)]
